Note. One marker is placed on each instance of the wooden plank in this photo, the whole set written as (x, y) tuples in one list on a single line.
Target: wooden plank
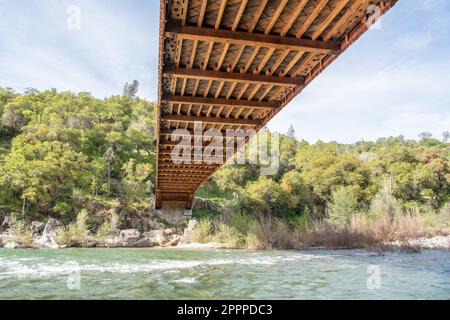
[(222, 7), (275, 16), (233, 77), (181, 183), (311, 17), (168, 180), (203, 146), (336, 10), (257, 15), (293, 17), (211, 120), (201, 15), (343, 19), (221, 102), (188, 166), (250, 39), (239, 14), (189, 132)]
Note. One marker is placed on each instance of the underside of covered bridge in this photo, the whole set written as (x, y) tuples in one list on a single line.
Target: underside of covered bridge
[(234, 64)]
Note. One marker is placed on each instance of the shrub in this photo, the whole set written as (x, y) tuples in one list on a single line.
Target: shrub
[(254, 236), (202, 231), (228, 234), (342, 207), (241, 222), (443, 217), (384, 204), (267, 197), (104, 230), (75, 234), (22, 234)]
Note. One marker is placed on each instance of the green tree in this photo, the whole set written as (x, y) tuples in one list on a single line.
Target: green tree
[(341, 208), (130, 89), (265, 196)]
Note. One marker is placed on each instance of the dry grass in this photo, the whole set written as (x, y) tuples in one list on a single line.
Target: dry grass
[(265, 233), (362, 233), (22, 234)]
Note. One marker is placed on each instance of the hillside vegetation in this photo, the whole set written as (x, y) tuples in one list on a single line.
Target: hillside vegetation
[(62, 152)]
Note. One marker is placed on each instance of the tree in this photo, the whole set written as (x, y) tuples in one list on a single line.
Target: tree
[(445, 136), (265, 196), (13, 118), (323, 169), (233, 178), (425, 135), (130, 89), (136, 178), (342, 207), (291, 132), (42, 173), (293, 184)]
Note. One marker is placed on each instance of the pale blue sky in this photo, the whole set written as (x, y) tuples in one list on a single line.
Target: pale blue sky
[(395, 80)]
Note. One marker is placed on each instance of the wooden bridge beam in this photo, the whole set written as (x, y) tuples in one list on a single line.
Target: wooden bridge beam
[(211, 120), (249, 39), (234, 77), (221, 102)]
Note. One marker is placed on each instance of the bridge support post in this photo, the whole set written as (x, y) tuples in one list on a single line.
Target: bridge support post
[(158, 204)]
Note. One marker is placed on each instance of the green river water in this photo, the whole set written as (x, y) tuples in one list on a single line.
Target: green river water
[(222, 274)]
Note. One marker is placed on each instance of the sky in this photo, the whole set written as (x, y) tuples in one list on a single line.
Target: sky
[(395, 80)]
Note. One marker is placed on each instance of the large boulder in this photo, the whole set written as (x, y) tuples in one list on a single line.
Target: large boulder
[(173, 241), (153, 224), (144, 243), (48, 238), (11, 245), (50, 227), (37, 227), (110, 241), (156, 236), (6, 223), (129, 237), (154, 233)]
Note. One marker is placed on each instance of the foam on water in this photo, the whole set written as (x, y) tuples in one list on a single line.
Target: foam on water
[(29, 268), (185, 281)]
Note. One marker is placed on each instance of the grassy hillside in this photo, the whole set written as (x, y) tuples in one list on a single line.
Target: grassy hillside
[(62, 152)]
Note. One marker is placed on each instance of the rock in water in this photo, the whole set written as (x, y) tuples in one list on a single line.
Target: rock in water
[(129, 237)]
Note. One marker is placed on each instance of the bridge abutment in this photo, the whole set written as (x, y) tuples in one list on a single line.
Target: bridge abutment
[(174, 212)]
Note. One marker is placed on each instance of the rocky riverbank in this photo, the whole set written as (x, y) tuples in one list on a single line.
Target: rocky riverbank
[(45, 236)]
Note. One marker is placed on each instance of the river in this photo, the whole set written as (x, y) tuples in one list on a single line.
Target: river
[(222, 274)]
